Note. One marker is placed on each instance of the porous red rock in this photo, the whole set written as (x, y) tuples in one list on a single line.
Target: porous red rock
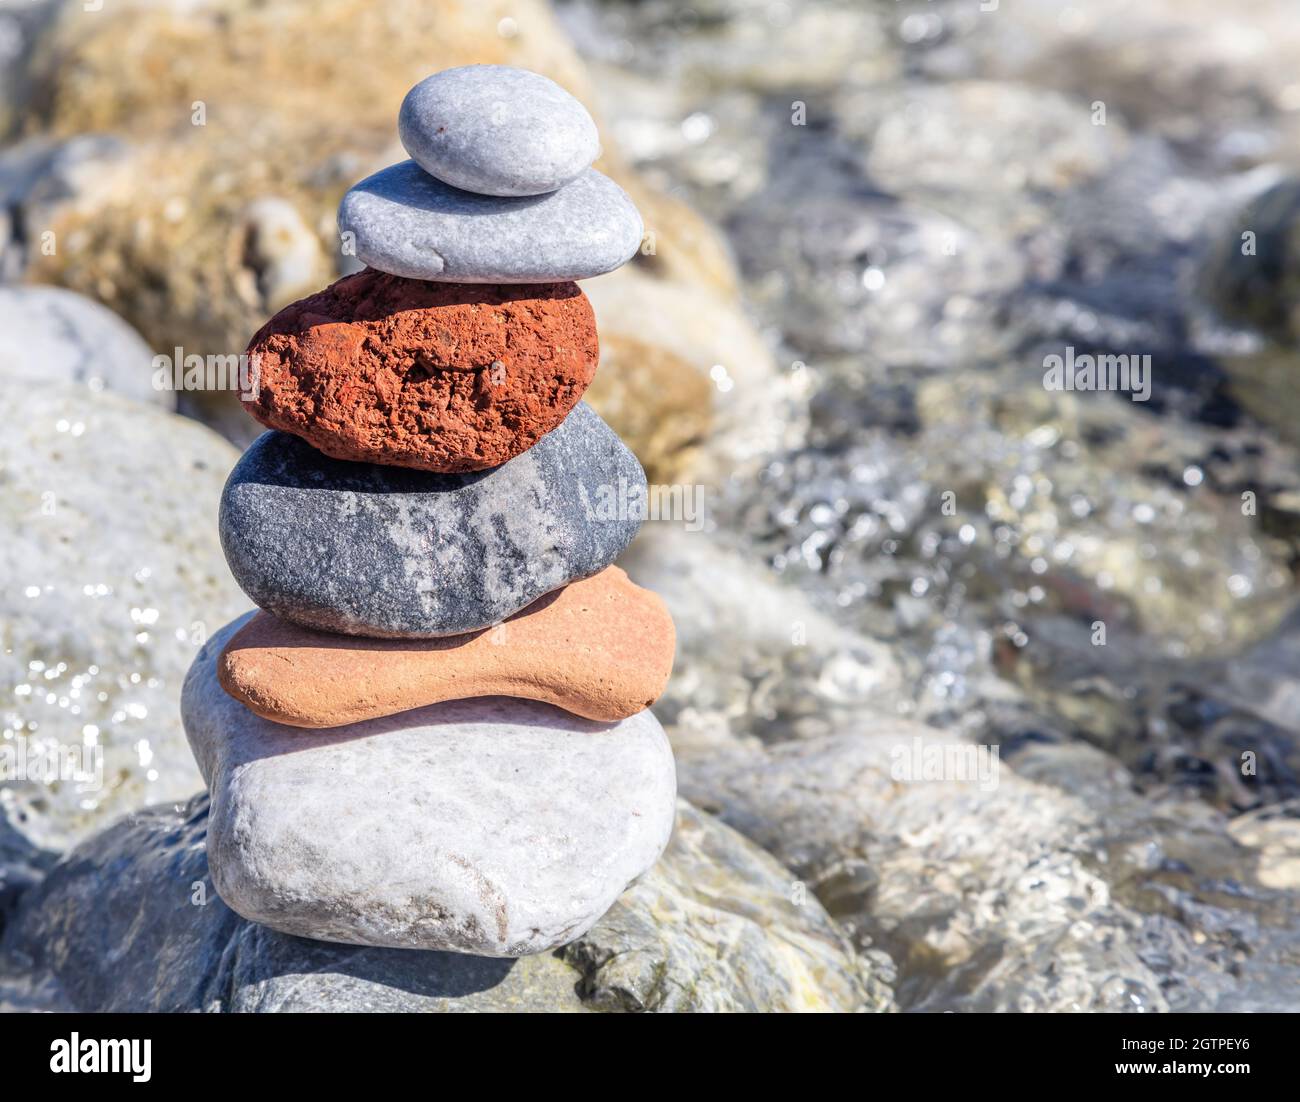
[(445, 377), (601, 648)]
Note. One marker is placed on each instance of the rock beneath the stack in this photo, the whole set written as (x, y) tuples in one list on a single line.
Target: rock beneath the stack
[(497, 130), (494, 826), (438, 376), (364, 549), (116, 926), (601, 648), (404, 221)]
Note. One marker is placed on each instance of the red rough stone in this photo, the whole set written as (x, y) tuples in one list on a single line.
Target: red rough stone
[(438, 376)]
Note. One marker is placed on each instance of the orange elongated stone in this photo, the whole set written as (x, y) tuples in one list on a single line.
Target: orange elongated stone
[(601, 648)]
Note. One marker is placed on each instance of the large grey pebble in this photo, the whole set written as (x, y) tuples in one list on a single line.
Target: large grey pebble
[(49, 334), (405, 222), (497, 130), (494, 826), (383, 551)]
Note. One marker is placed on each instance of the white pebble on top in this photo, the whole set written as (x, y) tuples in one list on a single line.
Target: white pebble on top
[(496, 130)]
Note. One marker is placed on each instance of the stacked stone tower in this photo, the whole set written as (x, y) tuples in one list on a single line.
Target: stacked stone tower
[(434, 733)]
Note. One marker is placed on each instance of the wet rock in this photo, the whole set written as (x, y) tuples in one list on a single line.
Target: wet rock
[(21, 864), (1176, 69), (741, 43), (113, 576), (690, 937), (1005, 455), (855, 272), (1020, 142), (1253, 271), (1055, 891), (130, 922)]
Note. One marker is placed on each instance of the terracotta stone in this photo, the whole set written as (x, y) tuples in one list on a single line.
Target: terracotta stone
[(601, 648), (437, 376)]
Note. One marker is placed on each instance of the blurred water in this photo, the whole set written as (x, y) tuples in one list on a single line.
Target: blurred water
[(924, 205)]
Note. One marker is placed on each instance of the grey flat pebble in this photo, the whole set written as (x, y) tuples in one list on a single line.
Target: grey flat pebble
[(497, 130), (405, 222), (493, 826), (383, 551)]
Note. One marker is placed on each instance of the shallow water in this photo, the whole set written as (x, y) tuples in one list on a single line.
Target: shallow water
[(947, 214)]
